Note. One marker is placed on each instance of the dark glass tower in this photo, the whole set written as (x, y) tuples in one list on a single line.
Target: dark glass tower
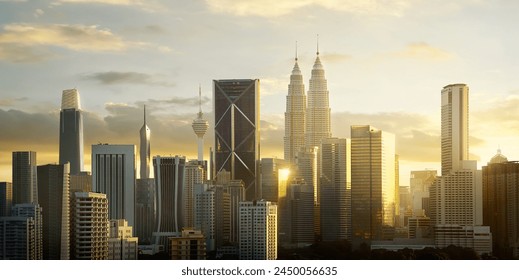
[(71, 131), (236, 109)]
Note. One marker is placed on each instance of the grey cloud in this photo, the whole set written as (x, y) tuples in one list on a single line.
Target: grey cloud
[(189, 101), (11, 101), (114, 77), (335, 57), (23, 54)]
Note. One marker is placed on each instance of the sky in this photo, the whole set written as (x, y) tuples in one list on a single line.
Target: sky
[(385, 61)]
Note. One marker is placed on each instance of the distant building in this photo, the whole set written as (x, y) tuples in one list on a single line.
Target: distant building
[(306, 165), (21, 233), (121, 243), (258, 230), (212, 214), (237, 131), (190, 245), (420, 183), (54, 197), (193, 175), (81, 182), (25, 179), (113, 173), (6, 198), (300, 213), (71, 131), (478, 238), (145, 211), (89, 226), (144, 149)]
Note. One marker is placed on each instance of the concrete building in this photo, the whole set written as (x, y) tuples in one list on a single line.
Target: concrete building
[(258, 230), (478, 238), (306, 168), (169, 197), (71, 131), (25, 181), (236, 191), (121, 243), (372, 183), (89, 226), (6, 198), (295, 115), (300, 213), (194, 175), (237, 131), (145, 211), (190, 245), (81, 182), (420, 183), (501, 205), (113, 173), (335, 189), (21, 233), (454, 126), (54, 198)]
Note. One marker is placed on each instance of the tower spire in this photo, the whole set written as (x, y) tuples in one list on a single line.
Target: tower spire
[(199, 101), (296, 51), (317, 44), (144, 114)]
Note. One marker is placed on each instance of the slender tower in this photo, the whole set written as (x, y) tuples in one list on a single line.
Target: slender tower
[(145, 151), (294, 138), (318, 111), (71, 131), (200, 126)]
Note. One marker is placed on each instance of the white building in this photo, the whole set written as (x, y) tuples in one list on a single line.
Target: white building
[(258, 230), (194, 174), (113, 173), (478, 238), (121, 244)]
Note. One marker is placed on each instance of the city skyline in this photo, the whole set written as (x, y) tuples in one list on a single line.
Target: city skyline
[(392, 82)]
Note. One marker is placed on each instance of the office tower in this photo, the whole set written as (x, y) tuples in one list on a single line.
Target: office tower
[(456, 198), (237, 131), (169, 197), (335, 188), (194, 174), (300, 212), (306, 164), (372, 183), (71, 131), (273, 178), (54, 190), (501, 205), (420, 183), (212, 214), (113, 173), (295, 112), (25, 182), (200, 126), (454, 127), (258, 230), (21, 233), (196, 249), (6, 198), (89, 226), (81, 182), (318, 111), (145, 210), (121, 244), (144, 150), (236, 190)]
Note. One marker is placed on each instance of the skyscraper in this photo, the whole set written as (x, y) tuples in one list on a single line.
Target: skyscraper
[(258, 230), (454, 126), (200, 126), (335, 189), (295, 112), (145, 151), (372, 183), (237, 133), (193, 175), (53, 190), (25, 182), (318, 111), (6, 198), (169, 197), (113, 173), (21, 233), (71, 131), (300, 212)]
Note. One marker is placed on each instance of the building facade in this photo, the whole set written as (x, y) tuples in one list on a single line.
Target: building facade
[(71, 131), (6, 198), (237, 131), (25, 178), (190, 245), (21, 233), (258, 230), (122, 245), (113, 173)]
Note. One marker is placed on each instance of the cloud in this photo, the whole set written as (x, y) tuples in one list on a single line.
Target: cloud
[(113, 77), (38, 13), (423, 51), (147, 5), (9, 101), (23, 54), (277, 8), (334, 57)]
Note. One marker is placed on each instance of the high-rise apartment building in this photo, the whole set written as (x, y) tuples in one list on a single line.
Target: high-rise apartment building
[(21, 233), (89, 226), (236, 190), (194, 175), (71, 131), (237, 131), (190, 245), (25, 179), (454, 126), (113, 173), (6, 198), (501, 205), (258, 230), (169, 197), (372, 183), (295, 112), (335, 189), (54, 198), (122, 245)]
